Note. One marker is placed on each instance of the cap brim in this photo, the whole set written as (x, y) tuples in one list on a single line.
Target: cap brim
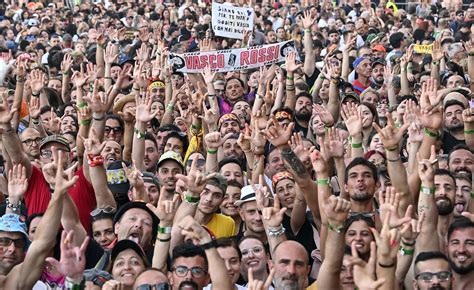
[(125, 245)]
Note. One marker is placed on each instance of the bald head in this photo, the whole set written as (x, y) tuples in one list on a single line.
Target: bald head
[(292, 248), (290, 262)]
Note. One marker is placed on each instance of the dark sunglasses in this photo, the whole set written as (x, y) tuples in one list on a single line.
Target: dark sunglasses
[(115, 129), (161, 286), (200, 162), (106, 210), (6, 242)]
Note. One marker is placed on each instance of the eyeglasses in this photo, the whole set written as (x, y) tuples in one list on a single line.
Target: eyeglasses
[(255, 251), (29, 142), (106, 210), (46, 153), (362, 214), (428, 276), (182, 271), (200, 162), (115, 129), (161, 286), (6, 242)]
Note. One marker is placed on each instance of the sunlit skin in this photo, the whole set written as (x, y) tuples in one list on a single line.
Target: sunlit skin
[(359, 232), (256, 258), (10, 256), (103, 232), (461, 250), (127, 266), (136, 225), (432, 266), (232, 171), (232, 262), (461, 200), (360, 184), (250, 216), (189, 262), (167, 174), (228, 206)]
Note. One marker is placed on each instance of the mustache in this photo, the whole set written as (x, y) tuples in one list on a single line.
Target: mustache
[(188, 284)]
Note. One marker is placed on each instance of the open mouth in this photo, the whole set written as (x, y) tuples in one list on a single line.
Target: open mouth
[(134, 237)]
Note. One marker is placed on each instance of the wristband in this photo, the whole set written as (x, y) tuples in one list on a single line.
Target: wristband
[(469, 131), (427, 190), (430, 134), (408, 244), (191, 199), (394, 148), (20, 79), (386, 266), (435, 62), (164, 240), (393, 160), (35, 121), (164, 230), (99, 119), (276, 231), (211, 95), (290, 78), (307, 30), (65, 73), (471, 54), (140, 135), (95, 160), (85, 122), (82, 105), (71, 285), (406, 252), (212, 151), (101, 45), (322, 181), (472, 194), (196, 127), (35, 94), (12, 206), (337, 230), (210, 245), (356, 145)]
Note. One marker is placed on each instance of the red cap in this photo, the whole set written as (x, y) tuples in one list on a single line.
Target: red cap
[(379, 47)]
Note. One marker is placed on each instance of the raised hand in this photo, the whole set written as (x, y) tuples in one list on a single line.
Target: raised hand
[(262, 194), (320, 165), (111, 53), (143, 53), (190, 228), (245, 139), (254, 284), (63, 181), (214, 140), (352, 118), (211, 116), (307, 19), (97, 101), (92, 72), (134, 176), (17, 183), (468, 117), (387, 242), (260, 117), (92, 144), (336, 210), (297, 145), (390, 135), (208, 75), (73, 261), (333, 144), (290, 62), (67, 63), (37, 80), (323, 114), (273, 216), (364, 273), (410, 230), (195, 181), (389, 203), (437, 52), (79, 78), (276, 134), (165, 209), (35, 108), (430, 115), (143, 110), (6, 114)]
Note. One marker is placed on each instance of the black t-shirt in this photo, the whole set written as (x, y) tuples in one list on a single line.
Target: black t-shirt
[(305, 235), (449, 142)]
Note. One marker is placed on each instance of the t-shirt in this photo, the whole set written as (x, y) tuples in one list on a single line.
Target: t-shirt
[(449, 142), (209, 287), (312, 287), (221, 226), (38, 195), (359, 87)]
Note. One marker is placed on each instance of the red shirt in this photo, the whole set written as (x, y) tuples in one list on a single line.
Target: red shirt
[(37, 196), (359, 87)]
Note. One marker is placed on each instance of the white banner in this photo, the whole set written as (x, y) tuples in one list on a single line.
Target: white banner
[(231, 22), (231, 59)]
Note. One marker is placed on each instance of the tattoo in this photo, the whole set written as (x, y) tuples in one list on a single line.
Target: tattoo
[(255, 164), (422, 208), (293, 161)]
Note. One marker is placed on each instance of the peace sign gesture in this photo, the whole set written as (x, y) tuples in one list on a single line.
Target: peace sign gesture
[(273, 216), (390, 135)]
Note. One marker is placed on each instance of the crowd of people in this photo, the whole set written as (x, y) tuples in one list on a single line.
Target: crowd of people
[(346, 166)]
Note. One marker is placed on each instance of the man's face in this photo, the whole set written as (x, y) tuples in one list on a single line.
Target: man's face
[(30, 140), (281, 34), (177, 81), (303, 108), (250, 216), (286, 191), (232, 262), (113, 131), (189, 24), (151, 156), (13, 254), (150, 277), (103, 232), (274, 163), (463, 191), (55, 84), (431, 266), (174, 144), (253, 256), (455, 81), (233, 89), (160, 139), (228, 206), (334, 38), (46, 153), (461, 161), (360, 183), (377, 73), (200, 280), (461, 250), (364, 68), (453, 118), (111, 152), (232, 171), (232, 149), (55, 41), (445, 191), (229, 126), (153, 192), (136, 225), (167, 172), (211, 199), (291, 266)]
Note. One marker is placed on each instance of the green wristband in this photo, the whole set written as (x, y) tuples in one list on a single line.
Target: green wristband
[(356, 145), (338, 229), (322, 181), (406, 252), (82, 105), (85, 122), (427, 190), (290, 78), (469, 131), (430, 134), (140, 135), (164, 230), (472, 195), (212, 151), (191, 199)]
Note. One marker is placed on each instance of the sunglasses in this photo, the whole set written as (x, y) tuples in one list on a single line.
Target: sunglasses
[(161, 286), (115, 129), (6, 242), (106, 210), (200, 162)]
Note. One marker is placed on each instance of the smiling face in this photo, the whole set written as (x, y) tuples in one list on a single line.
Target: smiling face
[(461, 250), (111, 152), (228, 206), (127, 266), (359, 232), (136, 225), (167, 174), (103, 232), (253, 256), (461, 161), (232, 262), (250, 216), (286, 191), (463, 191)]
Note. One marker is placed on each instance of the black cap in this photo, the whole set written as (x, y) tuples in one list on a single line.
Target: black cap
[(379, 61), (125, 245), (141, 205)]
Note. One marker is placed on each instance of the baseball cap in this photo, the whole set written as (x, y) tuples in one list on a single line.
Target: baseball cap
[(55, 139), (125, 245), (141, 205), (350, 95), (379, 61), (171, 155), (150, 178), (13, 223), (247, 194), (379, 47)]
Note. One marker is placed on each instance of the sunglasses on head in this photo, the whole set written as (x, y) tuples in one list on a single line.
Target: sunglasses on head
[(106, 210)]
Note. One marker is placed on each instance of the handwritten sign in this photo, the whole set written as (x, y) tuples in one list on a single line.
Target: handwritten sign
[(229, 21)]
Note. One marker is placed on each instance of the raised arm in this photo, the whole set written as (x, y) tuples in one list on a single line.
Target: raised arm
[(291, 66), (310, 55)]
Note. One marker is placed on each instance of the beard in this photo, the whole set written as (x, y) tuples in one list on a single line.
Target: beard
[(454, 128), (188, 285), (445, 206), (462, 270), (303, 115), (363, 196), (289, 282)]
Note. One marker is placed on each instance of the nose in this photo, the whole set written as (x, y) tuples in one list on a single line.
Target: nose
[(291, 268), (11, 248), (442, 193)]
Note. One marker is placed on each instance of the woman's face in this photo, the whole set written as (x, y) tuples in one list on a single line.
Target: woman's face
[(253, 80), (233, 90), (366, 116), (376, 143), (68, 125), (127, 266), (317, 125), (359, 232), (286, 192), (158, 106), (200, 162)]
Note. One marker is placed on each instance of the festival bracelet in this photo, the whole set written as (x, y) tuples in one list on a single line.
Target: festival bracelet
[(468, 132), (95, 160)]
